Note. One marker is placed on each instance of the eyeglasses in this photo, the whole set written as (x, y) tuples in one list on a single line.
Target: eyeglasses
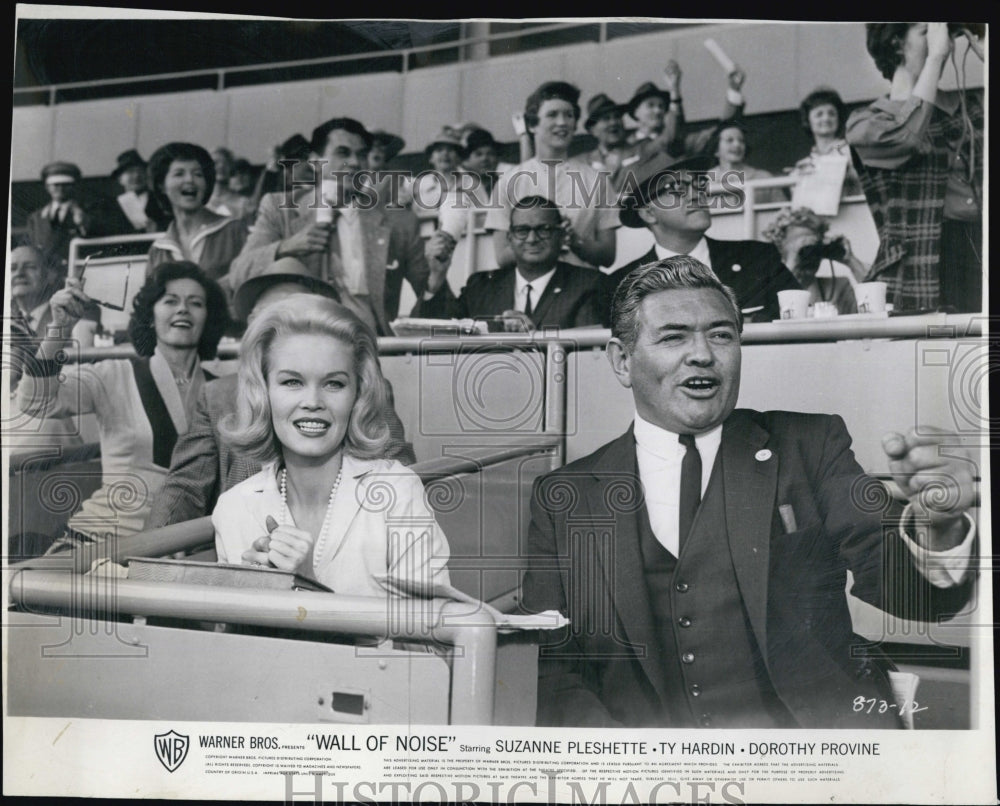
[(543, 233)]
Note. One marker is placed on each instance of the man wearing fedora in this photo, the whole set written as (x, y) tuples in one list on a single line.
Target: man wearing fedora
[(660, 112), (135, 209), (702, 557), (584, 195), (203, 466), (539, 291), (349, 240), (64, 218), (669, 198)]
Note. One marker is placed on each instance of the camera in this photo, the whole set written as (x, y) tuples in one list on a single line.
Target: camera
[(812, 254)]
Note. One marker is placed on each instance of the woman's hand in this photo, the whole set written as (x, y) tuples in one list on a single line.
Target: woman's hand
[(289, 547), (67, 306), (283, 547)]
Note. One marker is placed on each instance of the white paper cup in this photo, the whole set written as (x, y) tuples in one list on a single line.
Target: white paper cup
[(823, 310), (870, 297), (331, 188), (793, 303)]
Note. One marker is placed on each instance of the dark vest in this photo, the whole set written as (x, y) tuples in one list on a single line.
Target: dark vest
[(716, 676)]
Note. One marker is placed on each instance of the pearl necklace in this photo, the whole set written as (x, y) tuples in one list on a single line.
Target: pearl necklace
[(329, 507)]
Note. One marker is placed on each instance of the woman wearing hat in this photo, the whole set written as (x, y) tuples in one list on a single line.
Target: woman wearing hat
[(183, 175), (135, 209), (444, 153)]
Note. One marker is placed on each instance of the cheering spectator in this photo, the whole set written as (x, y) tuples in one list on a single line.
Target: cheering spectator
[(142, 404), (583, 194), (364, 251), (183, 176), (824, 118), (728, 145), (920, 151), (224, 200), (135, 209)]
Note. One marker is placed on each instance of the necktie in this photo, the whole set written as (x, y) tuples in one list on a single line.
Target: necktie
[(690, 486), (527, 300)]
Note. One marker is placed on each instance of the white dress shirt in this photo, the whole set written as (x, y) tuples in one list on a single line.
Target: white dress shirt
[(538, 286), (660, 453), (700, 252), (352, 251)]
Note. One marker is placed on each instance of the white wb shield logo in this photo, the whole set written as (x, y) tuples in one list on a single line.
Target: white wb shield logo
[(171, 749)]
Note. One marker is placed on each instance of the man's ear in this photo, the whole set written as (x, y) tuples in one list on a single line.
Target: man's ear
[(621, 361), (646, 215)]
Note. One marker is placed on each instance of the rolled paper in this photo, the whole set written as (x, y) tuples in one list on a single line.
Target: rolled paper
[(720, 55)]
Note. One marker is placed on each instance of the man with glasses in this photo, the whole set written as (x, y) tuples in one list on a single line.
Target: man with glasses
[(670, 198), (539, 291)]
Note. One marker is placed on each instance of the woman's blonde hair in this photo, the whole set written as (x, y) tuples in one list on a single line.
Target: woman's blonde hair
[(249, 429)]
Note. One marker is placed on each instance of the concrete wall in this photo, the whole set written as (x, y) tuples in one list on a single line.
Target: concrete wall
[(784, 61)]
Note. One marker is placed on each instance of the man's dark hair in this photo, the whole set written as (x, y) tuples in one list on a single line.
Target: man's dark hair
[(669, 274), (884, 41), (141, 330), (551, 90), (535, 203), (821, 96), (322, 132), (164, 156)]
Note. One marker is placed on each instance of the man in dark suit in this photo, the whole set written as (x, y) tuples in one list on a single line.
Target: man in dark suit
[(135, 209), (702, 557), (539, 291), (352, 242), (203, 466), (668, 197), (65, 217)]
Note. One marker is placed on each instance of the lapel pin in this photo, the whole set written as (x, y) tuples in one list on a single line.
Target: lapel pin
[(763, 455), (737, 267)]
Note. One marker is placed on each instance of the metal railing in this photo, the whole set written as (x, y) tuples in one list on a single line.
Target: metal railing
[(923, 326), (405, 55)]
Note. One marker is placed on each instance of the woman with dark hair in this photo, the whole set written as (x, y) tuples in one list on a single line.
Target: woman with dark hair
[(141, 404), (919, 153), (328, 503), (728, 145), (824, 118), (182, 176)]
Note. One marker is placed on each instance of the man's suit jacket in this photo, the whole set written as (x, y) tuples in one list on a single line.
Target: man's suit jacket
[(608, 667), (204, 465), (753, 270), (571, 299), (115, 222), (393, 249), (53, 237)]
